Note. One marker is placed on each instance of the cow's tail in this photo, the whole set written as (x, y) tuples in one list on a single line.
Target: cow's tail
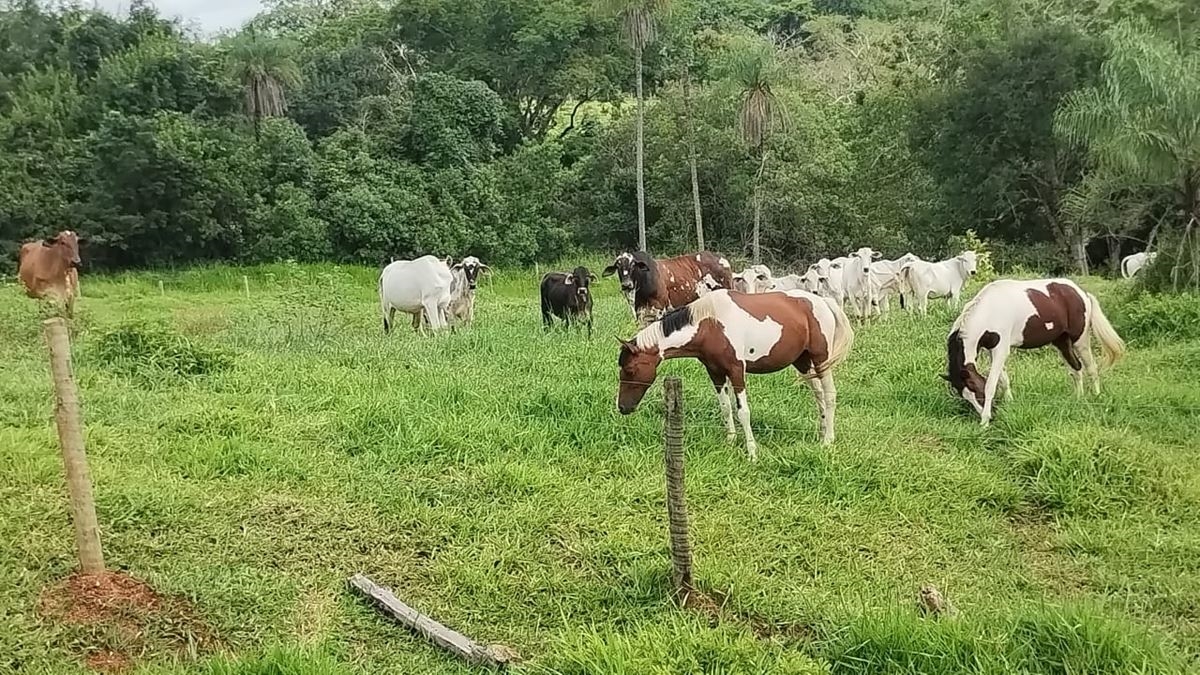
[(843, 337), (1125, 266), (383, 308), (1111, 344)]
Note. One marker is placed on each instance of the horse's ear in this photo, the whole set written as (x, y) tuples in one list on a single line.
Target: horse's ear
[(609, 271)]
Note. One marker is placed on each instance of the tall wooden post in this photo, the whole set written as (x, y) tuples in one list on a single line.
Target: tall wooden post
[(246, 285), (70, 437), (677, 515)]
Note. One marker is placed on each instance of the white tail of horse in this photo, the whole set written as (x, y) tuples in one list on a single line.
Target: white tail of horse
[(843, 336), (1111, 344)]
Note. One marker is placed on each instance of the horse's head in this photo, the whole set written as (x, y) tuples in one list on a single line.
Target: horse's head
[(964, 379), (639, 368)]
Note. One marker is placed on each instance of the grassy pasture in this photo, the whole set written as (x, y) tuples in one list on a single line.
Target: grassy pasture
[(280, 443)]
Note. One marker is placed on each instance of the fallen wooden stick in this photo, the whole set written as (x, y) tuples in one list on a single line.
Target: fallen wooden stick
[(450, 640)]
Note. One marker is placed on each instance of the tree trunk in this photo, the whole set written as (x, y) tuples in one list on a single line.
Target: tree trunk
[(641, 185), (691, 149), (1079, 249), (757, 241), (1114, 256)]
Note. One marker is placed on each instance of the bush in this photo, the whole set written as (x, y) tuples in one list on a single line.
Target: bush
[(150, 348), (1153, 318)]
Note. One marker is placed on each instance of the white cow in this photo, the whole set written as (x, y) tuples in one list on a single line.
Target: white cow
[(944, 279), (856, 277), (886, 277), (753, 279), (419, 287), (1132, 264), (797, 282), (831, 275)]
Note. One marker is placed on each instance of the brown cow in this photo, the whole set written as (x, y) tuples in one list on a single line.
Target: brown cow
[(49, 269), (654, 287)]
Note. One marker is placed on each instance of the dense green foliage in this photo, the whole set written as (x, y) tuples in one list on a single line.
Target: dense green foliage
[(357, 131), (249, 454)]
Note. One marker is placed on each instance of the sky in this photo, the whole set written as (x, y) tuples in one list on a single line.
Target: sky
[(207, 16)]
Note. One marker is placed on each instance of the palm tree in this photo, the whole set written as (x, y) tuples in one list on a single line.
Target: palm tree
[(266, 69), (639, 23), (754, 68), (1140, 124)]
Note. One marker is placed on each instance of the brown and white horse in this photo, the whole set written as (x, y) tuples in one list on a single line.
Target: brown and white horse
[(735, 333), (1027, 315)]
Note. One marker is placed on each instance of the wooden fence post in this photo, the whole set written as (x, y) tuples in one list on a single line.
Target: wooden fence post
[(677, 514), (70, 437), (161, 290), (246, 285)]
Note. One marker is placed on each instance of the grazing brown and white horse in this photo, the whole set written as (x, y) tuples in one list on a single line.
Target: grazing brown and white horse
[(735, 333), (1027, 315)]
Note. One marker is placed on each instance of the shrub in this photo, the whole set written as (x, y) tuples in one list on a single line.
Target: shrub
[(1153, 318), (142, 347)]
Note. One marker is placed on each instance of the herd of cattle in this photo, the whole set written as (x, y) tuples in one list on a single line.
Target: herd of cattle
[(695, 306)]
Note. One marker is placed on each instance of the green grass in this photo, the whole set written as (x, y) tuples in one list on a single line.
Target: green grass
[(251, 454)]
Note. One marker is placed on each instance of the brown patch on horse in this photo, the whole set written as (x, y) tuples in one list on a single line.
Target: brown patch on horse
[(1058, 319), (800, 327)]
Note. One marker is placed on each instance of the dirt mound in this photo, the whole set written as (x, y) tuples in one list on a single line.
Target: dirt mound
[(124, 619)]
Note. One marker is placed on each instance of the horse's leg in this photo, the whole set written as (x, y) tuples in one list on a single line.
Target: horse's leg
[(830, 393), (999, 356), (738, 379), (721, 383), (1074, 365), (1083, 347), (1004, 383)]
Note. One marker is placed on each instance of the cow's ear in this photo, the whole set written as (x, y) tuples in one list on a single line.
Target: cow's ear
[(591, 278), (836, 266), (50, 241), (570, 280), (456, 266), (641, 265), (485, 268), (609, 271), (876, 255), (944, 376)]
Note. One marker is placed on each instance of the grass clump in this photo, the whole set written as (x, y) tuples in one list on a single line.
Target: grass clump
[(1151, 318), (148, 347)]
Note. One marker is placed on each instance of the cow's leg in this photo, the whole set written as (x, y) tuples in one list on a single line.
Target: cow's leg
[(389, 317), (1083, 347), (999, 357), (738, 379), (1074, 366), (721, 384)]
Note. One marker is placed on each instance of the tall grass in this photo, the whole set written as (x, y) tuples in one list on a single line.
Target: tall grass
[(487, 477)]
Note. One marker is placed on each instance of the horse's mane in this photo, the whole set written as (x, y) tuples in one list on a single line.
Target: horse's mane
[(965, 314), (677, 319)]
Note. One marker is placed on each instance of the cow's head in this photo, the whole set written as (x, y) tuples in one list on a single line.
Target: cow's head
[(471, 267), (581, 280), (66, 244), (635, 271), (639, 368), (753, 279), (969, 262), (866, 255), (810, 280)]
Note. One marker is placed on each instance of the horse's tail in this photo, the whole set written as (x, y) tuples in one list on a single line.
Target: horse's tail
[(843, 336), (1125, 266), (1110, 343)]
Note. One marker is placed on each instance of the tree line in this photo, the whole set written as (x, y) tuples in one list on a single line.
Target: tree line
[(1064, 134)]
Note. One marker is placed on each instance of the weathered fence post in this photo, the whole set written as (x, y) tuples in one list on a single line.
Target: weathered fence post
[(161, 290), (70, 437), (246, 285), (677, 515)]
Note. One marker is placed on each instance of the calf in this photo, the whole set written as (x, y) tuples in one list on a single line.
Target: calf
[(885, 276), (568, 296), (50, 269), (945, 279), (753, 279), (462, 290), (655, 286)]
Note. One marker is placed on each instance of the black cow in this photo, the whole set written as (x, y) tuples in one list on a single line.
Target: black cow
[(568, 296)]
